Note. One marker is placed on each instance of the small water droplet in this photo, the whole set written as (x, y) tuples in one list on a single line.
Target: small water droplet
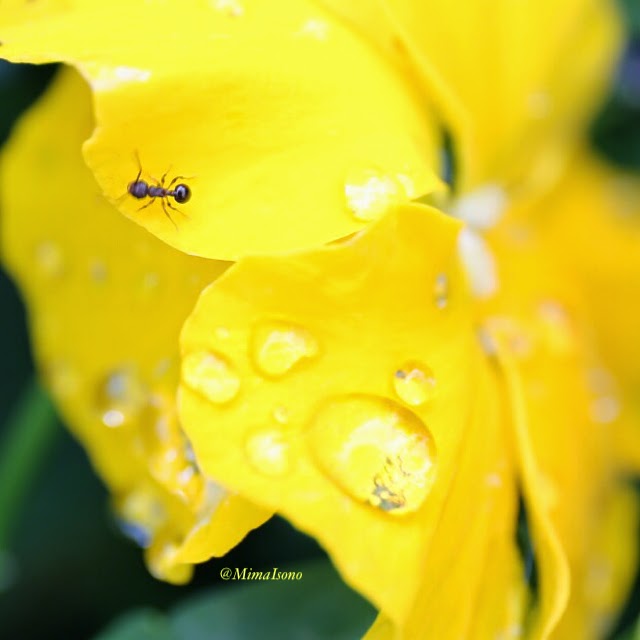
[(231, 8), (211, 375), (556, 330), (98, 271), (441, 291), (315, 28), (222, 333), (376, 450), (370, 193), (539, 104), (605, 409), (414, 383), (120, 398), (150, 281), (50, 259), (278, 346), (268, 452), (281, 415), (136, 532), (139, 514)]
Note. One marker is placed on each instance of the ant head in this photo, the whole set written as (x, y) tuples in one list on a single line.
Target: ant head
[(181, 193), (138, 189)]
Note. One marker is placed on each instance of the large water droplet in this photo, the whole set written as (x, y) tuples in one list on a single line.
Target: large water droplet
[(414, 383), (375, 450), (50, 259), (211, 375), (370, 193), (120, 398), (278, 346), (268, 452)]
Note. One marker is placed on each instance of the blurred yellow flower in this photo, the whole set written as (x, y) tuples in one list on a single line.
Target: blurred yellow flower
[(411, 388)]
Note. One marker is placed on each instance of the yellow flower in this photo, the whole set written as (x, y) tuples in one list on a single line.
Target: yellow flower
[(271, 108), (410, 395), (106, 303)]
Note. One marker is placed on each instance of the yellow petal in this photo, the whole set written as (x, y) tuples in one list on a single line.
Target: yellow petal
[(564, 451), (516, 81), (362, 404), (289, 130), (106, 302)]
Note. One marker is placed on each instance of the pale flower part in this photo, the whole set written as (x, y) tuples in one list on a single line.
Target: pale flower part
[(482, 208), (478, 262)]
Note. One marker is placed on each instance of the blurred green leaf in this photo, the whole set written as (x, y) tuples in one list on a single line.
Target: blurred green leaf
[(26, 441), (145, 624), (319, 606)]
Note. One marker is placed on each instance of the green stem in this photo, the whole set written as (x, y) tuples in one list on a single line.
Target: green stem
[(27, 438)]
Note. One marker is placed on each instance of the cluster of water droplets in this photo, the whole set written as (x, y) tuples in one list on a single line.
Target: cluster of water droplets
[(374, 448)]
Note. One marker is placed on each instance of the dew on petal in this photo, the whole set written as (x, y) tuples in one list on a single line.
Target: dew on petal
[(267, 451), (278, 346), (233, 8), (210, 375), (120, 398), (98, 272), (50, 259), (281, 415), (139, 515), (315, 28), (604, 409), (556, 329), (441, 291), (375, 450), (414, 383), (150, 281), (370, 193)]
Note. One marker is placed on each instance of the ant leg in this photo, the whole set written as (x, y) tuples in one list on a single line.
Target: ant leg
[(166, 213), (164, 177), (147, 205), (180, 211), (178, 178)]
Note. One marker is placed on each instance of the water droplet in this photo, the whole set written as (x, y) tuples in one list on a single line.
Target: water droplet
[(120, 398), (556, 329), (231, 8), (281, 415), (150, 281), (50, 259), (605, 409), (414, 383), (376, 450), (539, 104), (136, 532), (222, 333), (315, 28), (267, 452), (370, 193), (139, 514), (98, 271), (278, 346), (211, 375), (441, 291)]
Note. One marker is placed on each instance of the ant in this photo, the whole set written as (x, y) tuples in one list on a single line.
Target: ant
[(140, 189)]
